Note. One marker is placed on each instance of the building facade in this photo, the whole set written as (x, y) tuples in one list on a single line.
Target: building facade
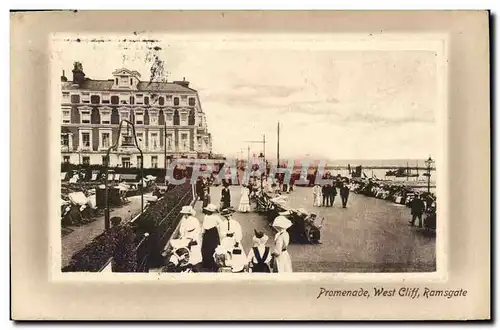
[(168, 120)]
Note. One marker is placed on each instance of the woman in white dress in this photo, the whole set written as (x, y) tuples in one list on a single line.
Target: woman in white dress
[(190, 229), (188, 220), (244, 199), (317, 195), (230, 234), (282, 261)]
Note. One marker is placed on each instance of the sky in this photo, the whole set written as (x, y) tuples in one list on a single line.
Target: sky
[(331, 103)]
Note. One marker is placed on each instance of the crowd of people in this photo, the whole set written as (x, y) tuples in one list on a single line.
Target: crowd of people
[(324, 196), (214, 244), (422, 204)]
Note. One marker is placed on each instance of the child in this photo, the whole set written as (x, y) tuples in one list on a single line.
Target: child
[(259, 256)]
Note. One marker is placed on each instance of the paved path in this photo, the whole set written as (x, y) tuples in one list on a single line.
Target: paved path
[(82, 235), (370, 235)]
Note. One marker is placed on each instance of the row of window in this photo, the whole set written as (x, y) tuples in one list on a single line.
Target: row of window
[(85, 141), (107, 98), (171, 118), (125, 161)]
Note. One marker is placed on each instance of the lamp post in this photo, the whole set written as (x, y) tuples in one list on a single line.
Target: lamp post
[(429, 163), (165, 149), (262, 156), (128, 141)]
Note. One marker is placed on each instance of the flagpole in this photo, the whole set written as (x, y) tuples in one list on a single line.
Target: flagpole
[(278, 147)]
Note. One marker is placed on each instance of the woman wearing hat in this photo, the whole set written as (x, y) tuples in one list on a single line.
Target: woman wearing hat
[(244, 199), (230, 227), (188, 220), (283, 263), (190, 229), (210, 239), (259, 256), (230, 241), (317, 195)]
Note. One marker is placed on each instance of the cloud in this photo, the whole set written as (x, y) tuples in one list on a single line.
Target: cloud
[(258, 95), (268, 90), (372, 118)]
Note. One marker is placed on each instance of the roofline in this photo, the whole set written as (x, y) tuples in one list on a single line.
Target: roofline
[(126, 90)]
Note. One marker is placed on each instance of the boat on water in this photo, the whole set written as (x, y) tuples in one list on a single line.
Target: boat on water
[(401, 172)]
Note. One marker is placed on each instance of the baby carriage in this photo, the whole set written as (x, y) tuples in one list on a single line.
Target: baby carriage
[(263, 203), (430, 218), (178, 261)]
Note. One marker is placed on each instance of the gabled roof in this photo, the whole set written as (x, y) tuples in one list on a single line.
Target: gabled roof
[(106, 85), (127, 71)]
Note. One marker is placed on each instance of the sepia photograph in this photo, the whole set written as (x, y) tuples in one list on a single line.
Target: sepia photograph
[(237, 154), (250, 165)]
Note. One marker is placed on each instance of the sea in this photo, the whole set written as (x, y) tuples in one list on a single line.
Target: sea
[(415, 166)]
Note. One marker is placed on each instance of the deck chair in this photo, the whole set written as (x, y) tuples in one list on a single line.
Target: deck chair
[(74, 179)]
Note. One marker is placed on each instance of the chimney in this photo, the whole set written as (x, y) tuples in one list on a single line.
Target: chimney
[(182, 83), (78, 74), (63, 77)]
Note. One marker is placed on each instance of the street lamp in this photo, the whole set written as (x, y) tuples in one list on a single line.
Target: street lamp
[(429, 163), (165, 149), (129, 140)]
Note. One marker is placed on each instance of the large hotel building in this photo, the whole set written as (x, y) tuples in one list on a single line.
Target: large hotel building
[(167, 116)]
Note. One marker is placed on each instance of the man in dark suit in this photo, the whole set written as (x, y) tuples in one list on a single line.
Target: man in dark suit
[(325, 190), (332, 194), (225, 197), (199, 189), (344, 194), (417, 209)]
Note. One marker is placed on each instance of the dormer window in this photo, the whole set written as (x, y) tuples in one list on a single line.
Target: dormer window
[(125, 78)]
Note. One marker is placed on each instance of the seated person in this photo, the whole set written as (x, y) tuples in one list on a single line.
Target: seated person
[(312, 229)]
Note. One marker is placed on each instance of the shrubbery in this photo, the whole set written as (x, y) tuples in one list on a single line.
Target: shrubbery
[(159, 220)]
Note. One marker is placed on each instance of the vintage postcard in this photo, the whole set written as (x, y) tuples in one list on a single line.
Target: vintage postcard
[(313, 158), (255, 157)]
